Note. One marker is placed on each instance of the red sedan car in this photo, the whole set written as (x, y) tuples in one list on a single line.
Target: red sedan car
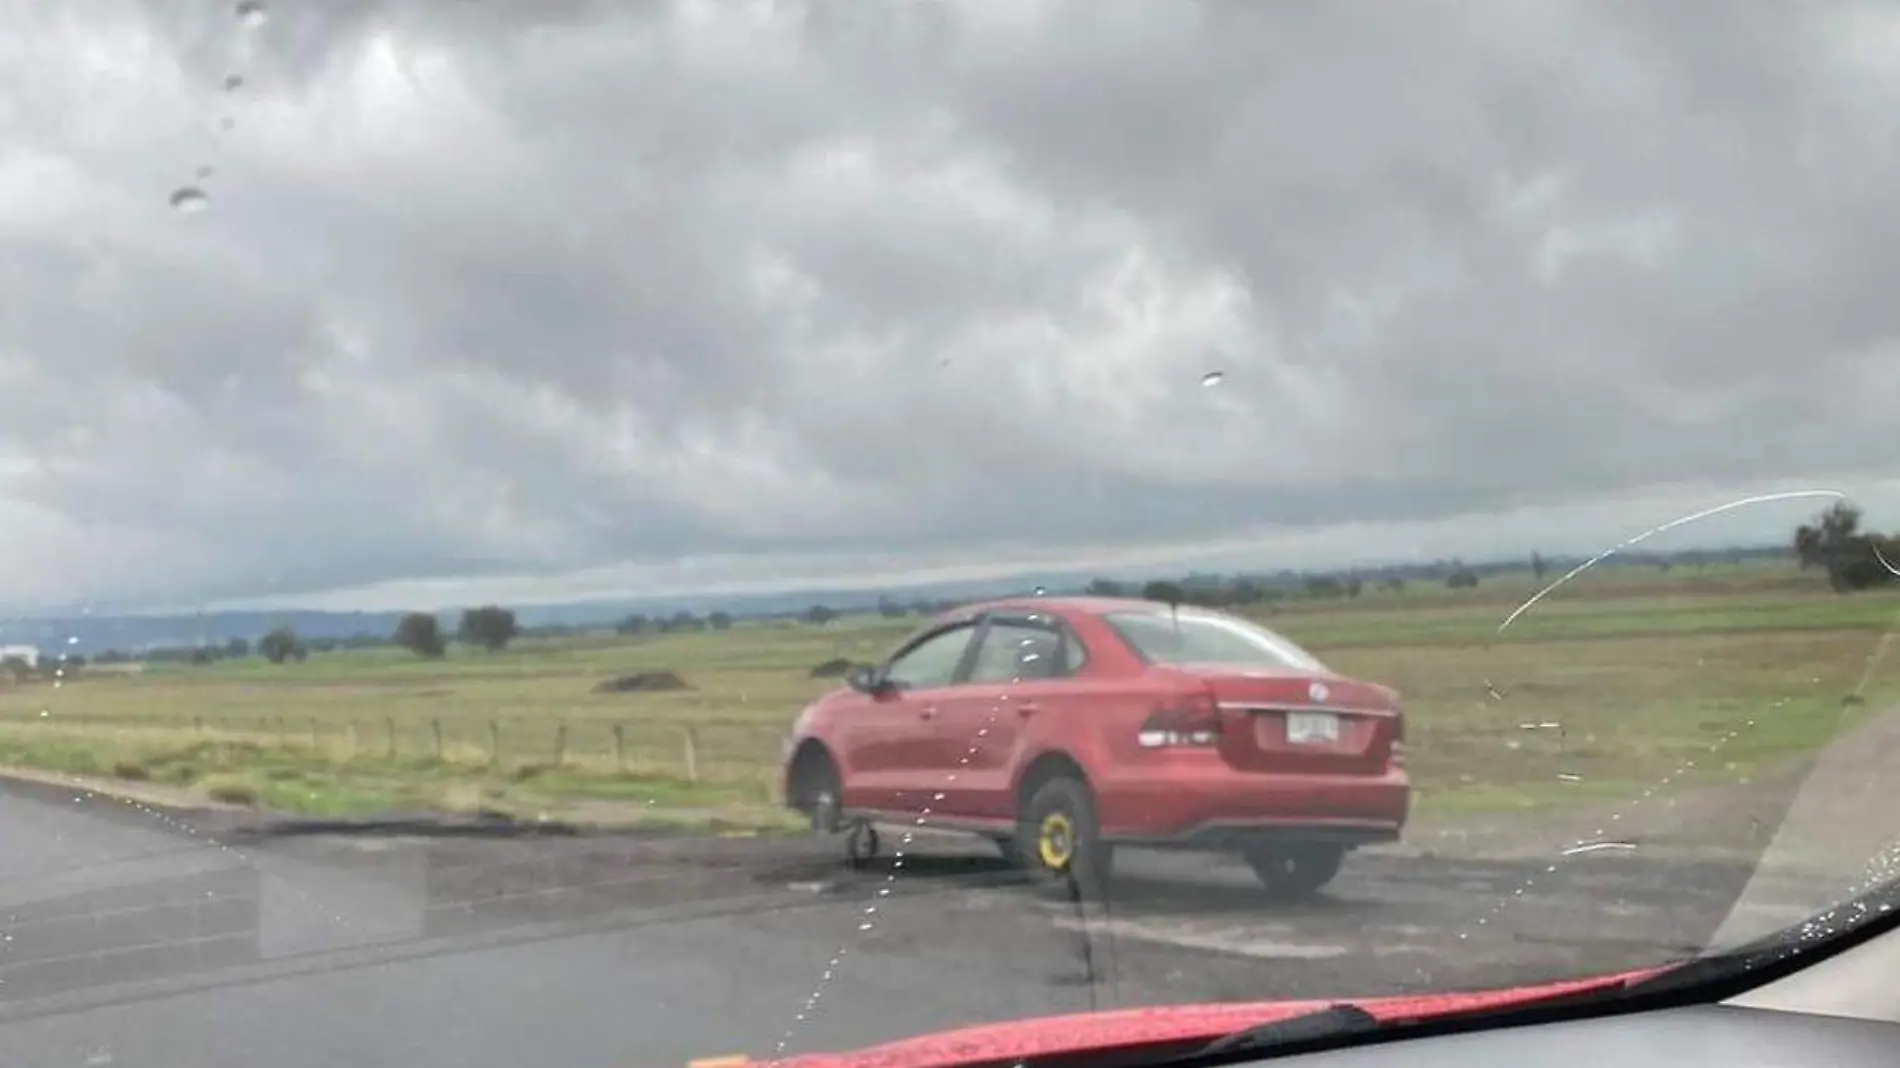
[(1062, 727)]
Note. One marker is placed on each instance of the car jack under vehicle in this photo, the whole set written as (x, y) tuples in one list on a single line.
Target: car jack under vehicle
[(861, 840)]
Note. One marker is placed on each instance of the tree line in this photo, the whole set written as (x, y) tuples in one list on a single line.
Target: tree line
[(1833, 542)]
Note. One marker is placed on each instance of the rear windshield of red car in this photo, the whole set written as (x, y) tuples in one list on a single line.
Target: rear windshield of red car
[(1206, 638)]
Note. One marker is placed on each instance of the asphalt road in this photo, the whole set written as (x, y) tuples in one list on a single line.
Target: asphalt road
[(133, 939)]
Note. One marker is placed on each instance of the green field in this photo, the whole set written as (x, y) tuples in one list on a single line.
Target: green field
[(1701, 677)]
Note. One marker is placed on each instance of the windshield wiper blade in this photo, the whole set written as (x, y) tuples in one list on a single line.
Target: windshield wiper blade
[(1334, 1021)]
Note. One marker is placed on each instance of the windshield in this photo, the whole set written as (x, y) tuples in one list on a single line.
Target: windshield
[(1189, 637), (620, 533)]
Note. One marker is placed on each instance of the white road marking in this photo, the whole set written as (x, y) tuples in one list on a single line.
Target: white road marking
[(1252, 941)]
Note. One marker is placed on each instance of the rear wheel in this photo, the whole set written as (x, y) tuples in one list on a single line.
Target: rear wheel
[(1058, 839), (1291, 873)]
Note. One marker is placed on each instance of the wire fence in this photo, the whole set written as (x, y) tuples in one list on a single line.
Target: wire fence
[(718, 751)]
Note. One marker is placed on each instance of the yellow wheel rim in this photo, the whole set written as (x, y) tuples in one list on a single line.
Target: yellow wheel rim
[(1055, 841)]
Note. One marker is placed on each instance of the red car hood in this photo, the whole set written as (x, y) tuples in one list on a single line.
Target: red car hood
[(1082, 1032)]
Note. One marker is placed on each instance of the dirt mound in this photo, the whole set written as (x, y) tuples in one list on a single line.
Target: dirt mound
[(643, 682), (834, 668)]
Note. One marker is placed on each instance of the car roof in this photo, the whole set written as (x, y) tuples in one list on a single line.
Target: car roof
[(1064, 606)]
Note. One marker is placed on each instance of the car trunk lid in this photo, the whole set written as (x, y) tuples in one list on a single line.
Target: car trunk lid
[(1284, 720)]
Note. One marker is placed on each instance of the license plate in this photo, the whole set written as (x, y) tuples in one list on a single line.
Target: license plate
[(1312, 728)]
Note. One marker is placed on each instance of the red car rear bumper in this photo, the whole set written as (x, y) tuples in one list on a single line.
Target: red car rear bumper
[(1197, 803)]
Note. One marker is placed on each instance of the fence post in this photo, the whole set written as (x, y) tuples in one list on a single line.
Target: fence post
[(389, 722), (435, 726), (692, 755), (560, 744), (494, 743), (620, 747), (314, 742)]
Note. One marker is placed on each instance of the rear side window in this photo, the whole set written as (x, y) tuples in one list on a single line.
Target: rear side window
[(1189, 637), (1015, 651)]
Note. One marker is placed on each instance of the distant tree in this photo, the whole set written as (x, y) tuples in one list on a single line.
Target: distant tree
[(1354, 586), (201, 655), (889, 608), (279, 645), (720, 620), (1324, 586), (421, 634), (491, 626), (1102, 587), (16, 666), (820, 614), (1462, 579), (633, 624), (1538, 566), (682, 622), (1853, 559), (1165, 590), (237, 648)]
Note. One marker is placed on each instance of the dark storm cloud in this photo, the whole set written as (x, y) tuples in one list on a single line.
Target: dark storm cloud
[(526, 288)]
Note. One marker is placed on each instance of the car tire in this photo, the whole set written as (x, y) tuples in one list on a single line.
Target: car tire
[(818, 792), (1294, 873), (1058, 840)]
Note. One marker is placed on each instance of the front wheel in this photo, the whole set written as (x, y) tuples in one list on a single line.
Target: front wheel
[(1292, 873), (818, 793), (1058, 839)]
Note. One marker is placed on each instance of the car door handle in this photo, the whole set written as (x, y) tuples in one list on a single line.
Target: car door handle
[(1027, 709)]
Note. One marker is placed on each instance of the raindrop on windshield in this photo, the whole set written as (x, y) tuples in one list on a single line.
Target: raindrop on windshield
[(190, 199), (1213, 378), (233, 82), (251, 12)]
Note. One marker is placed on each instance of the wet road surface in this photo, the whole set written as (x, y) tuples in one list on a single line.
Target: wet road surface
[(135, 938)]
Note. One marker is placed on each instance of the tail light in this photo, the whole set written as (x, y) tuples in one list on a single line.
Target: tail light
[(1193, 722), (1396, 754)]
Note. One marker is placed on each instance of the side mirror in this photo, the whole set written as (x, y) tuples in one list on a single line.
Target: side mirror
[(865, 678)]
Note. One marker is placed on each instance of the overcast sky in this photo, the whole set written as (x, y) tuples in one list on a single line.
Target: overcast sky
[(587, 298)]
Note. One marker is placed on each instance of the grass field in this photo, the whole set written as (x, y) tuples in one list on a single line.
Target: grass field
[(1604, 690)]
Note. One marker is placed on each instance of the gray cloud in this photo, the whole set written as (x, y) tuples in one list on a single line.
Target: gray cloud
[(490, 289)]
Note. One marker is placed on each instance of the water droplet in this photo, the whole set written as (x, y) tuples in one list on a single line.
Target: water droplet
[(190, 199), (251, 12), (1566, 776), (1213, 378), (233, 82), (1041, 592)]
